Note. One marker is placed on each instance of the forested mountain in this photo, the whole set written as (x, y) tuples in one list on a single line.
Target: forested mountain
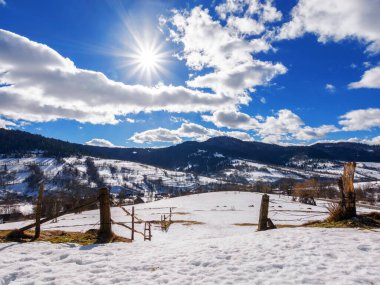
[(209, 156)]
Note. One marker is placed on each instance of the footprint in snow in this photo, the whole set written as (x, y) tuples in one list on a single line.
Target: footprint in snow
[(364, 247)]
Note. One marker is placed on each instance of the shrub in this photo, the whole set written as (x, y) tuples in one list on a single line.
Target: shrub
[(335, 212)]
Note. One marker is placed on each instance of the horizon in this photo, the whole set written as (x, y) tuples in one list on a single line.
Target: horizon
[(102, 144), (151, 74)]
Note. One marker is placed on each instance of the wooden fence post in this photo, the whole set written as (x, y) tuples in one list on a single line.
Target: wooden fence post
[(264, 222), (105, 232), (133, 224), (38, 211), (263, 218), (346, 185)]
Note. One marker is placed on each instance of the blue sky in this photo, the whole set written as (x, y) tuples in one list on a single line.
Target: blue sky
[(155, 73)]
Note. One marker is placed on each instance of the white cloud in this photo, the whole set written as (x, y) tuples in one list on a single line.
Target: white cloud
[(232, 120), (2, 2), (263, 100), (226, 53), (336, 20), (129, 120), (246, 25), (100, 142), (263, 10), (187, 130), (370, 79), (156, 135), (45, 86), (372, 141), (175, 119), (5, 123), (330, 88), (284, 126), (362, 119)]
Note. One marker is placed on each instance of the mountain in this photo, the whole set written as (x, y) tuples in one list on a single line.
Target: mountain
[(212, 155)]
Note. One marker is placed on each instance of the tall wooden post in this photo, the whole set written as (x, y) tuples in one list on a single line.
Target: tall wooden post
[(263, 218), (133, 224), (105, 231), (38, 211), (346, 185)]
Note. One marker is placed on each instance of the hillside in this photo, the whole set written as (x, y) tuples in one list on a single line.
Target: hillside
[(206, 157)]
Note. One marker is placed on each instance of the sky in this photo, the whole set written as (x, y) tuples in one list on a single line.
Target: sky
[(151, 73)]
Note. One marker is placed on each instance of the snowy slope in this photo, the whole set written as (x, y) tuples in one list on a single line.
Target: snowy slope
[(146, 178), (219, 213), (215, 252), (128, 174), (300, 169)]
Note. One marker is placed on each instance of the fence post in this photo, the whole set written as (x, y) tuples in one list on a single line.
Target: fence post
[(39, 210), (105, 232), (263, 218), (133, 224), (346, 185)]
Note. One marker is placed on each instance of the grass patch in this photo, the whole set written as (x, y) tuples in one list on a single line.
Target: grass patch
[(245, 225), (82, 238), (364, 221)]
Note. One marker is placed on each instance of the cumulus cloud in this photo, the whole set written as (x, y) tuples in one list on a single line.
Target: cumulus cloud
[(362, 119), (100, 142), (4, 124), (38, 84), (372, 141), (156, 135), (263, 10), (187, 130), (232, 120), (284, 126), (226, 52), (336, 20), (370, 79)]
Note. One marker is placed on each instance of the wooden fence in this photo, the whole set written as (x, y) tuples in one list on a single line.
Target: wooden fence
[(105, 233)]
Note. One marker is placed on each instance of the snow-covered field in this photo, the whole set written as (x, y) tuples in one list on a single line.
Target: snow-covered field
[(218, 251)]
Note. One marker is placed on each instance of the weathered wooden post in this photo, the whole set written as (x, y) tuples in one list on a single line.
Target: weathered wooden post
[(133, 224), (346, 185), (105, 232), (264, 222), (263, 218), (37, 230)]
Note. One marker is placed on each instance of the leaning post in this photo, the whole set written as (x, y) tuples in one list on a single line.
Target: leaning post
[(105, 232), (263, 218), (37, 230)]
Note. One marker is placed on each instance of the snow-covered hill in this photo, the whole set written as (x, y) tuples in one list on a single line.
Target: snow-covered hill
[(223, 247), (145, 178)]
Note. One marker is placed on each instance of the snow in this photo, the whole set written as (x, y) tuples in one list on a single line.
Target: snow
[(214, 252), (283, 256), (217, 154)]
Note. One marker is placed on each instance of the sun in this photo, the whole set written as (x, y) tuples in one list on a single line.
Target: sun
[(147, 59)]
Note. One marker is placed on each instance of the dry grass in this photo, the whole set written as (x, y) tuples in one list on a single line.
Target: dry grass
[(335, 212), (365, 221), (86, 238)]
